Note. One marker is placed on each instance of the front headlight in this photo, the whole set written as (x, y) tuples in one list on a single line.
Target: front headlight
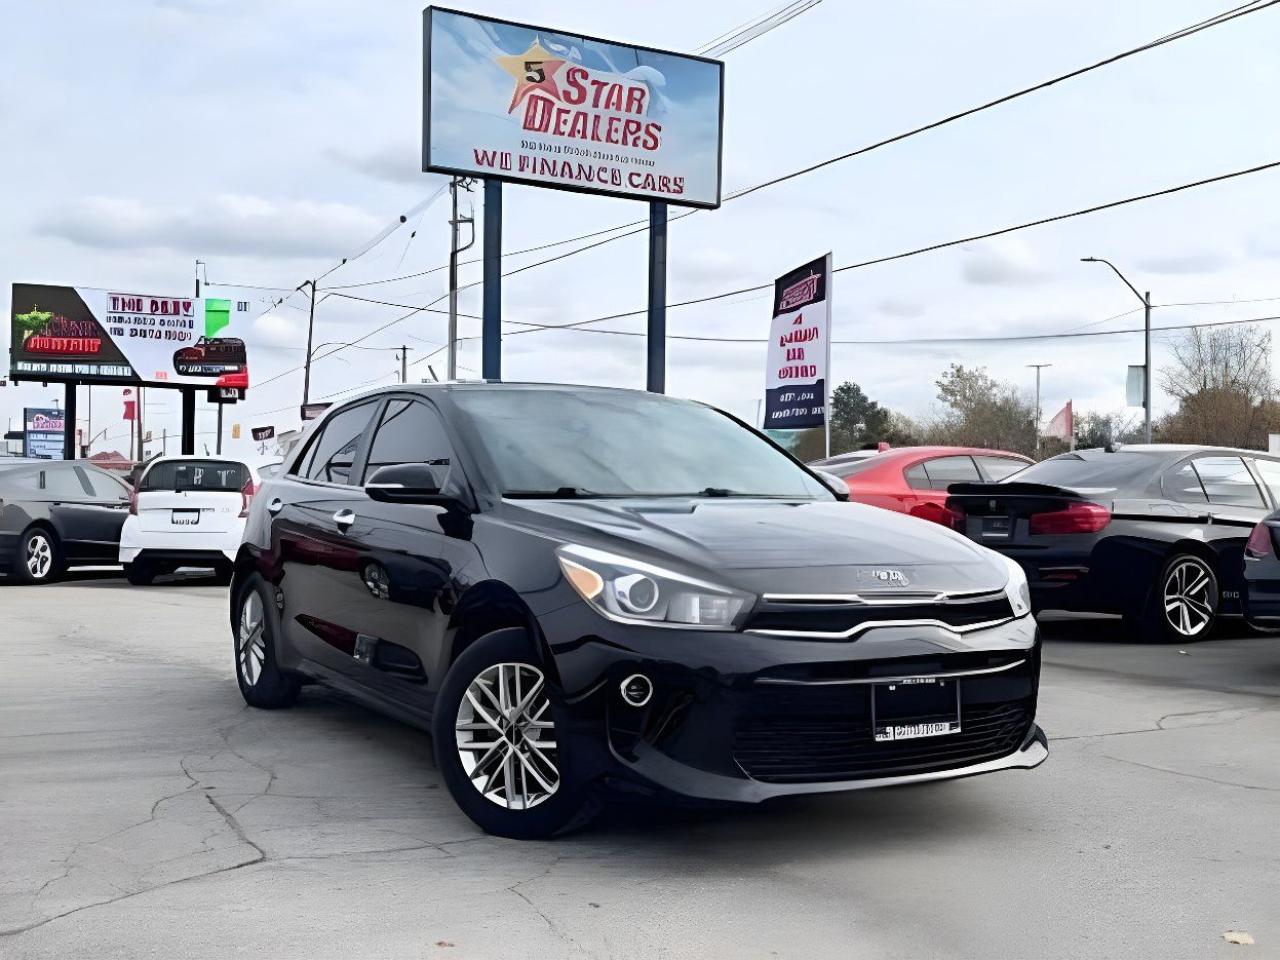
[(1016, 589), (630, 591)]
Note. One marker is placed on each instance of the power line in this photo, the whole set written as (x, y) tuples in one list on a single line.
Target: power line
[(942, 245), (1185, 32)]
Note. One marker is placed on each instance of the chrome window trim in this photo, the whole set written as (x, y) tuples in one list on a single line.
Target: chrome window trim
[(943, 675)]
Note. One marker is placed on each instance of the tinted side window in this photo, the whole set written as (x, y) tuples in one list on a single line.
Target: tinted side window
[(1269, 470), (1184, 486), (333, 453), (944, 471), (61, 482), (916, 478), (104, 485), (1226, 481), (410, 432), (997, 468)]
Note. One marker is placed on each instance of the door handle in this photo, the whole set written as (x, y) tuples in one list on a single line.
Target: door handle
[(275, 506), (344, 518)]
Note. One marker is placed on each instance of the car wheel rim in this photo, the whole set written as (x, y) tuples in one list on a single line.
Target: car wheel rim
[(252, 639), (1188, 605), (506, 737), (39, 556)]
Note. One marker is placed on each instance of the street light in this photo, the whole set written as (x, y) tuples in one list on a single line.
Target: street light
[(1146, 355)]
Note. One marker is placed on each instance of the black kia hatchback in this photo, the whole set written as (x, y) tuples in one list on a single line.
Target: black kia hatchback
[(586, 591)]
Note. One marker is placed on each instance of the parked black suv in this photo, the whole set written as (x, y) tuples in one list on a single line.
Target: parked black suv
[(583, 590)]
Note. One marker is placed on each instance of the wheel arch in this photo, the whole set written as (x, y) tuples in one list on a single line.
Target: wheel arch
[(488, 606)]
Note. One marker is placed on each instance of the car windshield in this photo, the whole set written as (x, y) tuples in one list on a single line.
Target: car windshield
[(1093, 470), (605, 443)]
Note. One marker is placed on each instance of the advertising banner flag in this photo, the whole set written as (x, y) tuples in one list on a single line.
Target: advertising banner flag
[(514, 102), (1062, 425), (92, 335), (799, 354), (43, 432)]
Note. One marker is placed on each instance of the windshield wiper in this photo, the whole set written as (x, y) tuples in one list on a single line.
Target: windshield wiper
[(560, 493)]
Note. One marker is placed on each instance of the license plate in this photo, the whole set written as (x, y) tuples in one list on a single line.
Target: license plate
[(186, 518), (915, 707), (997, 527)]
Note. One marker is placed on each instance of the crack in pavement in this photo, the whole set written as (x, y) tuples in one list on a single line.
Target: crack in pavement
[(551, 925), (1193, 776), (1236, 715)]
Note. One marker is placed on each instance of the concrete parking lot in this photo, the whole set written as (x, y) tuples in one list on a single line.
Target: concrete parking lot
[(145, 812)]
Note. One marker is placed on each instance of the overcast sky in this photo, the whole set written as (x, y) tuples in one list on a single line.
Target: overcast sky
[(270, 138)]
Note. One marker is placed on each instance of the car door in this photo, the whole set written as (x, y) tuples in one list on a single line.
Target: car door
[(105, 512), (82, 524), (1236, 505), (312, 510), (412, 559)]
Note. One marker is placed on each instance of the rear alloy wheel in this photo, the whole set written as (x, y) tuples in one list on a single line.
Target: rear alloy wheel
[(1184, 604), (498, 735), (39, 559), (262, 683)]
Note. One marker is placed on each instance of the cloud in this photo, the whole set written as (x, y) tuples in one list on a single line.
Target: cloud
[(1202, 261), (895, 307), (398, 162), (275, 330), (1002, 264), (228, 224)]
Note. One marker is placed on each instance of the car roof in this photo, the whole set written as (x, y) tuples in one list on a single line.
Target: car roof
[(939, 451), (1172, 449)]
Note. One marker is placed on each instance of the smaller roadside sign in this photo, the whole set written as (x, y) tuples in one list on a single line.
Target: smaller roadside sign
[(263, 433), (310, 411)]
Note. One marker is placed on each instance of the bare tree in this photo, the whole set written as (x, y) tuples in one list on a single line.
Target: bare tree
[(1224, 386)]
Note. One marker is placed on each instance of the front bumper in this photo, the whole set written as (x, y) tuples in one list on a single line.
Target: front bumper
[(744, 718)]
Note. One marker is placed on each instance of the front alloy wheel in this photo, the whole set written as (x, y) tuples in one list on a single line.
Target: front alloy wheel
[(251, 639), (506, 737), (254, 624), (37, 559)]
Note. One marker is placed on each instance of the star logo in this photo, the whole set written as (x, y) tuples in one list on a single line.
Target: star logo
[(533, 70)]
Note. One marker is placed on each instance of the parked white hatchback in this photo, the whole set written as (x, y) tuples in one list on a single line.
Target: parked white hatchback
[(186, 512)]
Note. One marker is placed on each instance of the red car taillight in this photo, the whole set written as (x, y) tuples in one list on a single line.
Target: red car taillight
[(1076, 517), (939, 514), (246, 494), (1259, 544)]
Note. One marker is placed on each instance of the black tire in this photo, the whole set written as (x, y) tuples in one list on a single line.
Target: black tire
[(570, 804), (1183, 604), (47, 565), (222, 575), (140, 573), (262, 683)]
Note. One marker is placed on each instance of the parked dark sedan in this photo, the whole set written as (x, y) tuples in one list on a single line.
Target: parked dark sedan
[(56, 514), (1155, 532), (583, 591)]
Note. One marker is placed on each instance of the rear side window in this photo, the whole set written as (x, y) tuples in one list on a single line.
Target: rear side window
[(916, 477), (61, 482), (333, 453), (1184, 486), (106, 486), (1226, 481), (1269, 470), (410, 432), (223, 476), (944, 471), (997, 468)]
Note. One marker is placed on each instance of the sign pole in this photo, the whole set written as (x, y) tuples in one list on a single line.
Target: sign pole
[(657, 339), (69, 422), (826, 383), (188, 421), (218, 446), (491, 340)]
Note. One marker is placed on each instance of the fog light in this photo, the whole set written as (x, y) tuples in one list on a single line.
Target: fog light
[(636, 690)]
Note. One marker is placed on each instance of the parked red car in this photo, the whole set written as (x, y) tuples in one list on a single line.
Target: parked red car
[(914, 480)]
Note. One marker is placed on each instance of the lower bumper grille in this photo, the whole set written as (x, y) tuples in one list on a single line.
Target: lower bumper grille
[(801, 749)]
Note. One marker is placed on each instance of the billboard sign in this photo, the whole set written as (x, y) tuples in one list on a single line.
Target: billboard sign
[(91, 335), (44, 429), (799, 353), (532, 105)]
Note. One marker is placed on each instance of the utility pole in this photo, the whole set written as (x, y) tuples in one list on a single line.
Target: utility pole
[(1038, 368), (454, 250), (404, 364), (1146, 341), (311, 330)]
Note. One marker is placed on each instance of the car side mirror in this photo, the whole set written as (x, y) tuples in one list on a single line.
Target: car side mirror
[(834, 484), (405, 483)]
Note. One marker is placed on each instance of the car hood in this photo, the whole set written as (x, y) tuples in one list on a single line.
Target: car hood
[(774, 546)]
